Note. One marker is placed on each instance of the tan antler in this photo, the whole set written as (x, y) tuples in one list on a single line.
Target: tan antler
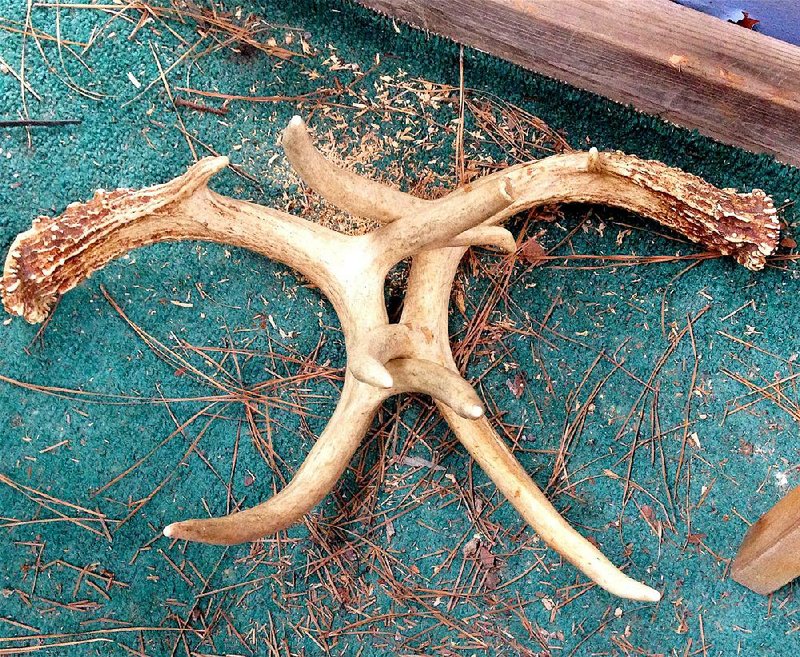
[(384, 359)]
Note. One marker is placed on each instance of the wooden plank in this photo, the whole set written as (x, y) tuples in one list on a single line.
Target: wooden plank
[(732, 84), (769, 556)]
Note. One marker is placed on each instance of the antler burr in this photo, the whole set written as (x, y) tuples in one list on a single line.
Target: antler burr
[(383, 358)]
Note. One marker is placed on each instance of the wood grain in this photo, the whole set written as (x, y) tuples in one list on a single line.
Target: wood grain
[(769, 556), (730, 83)]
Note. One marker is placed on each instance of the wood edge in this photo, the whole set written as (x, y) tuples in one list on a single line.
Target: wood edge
[(762, 548), (428, 15)]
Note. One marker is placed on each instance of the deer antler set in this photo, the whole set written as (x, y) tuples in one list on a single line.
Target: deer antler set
[(383, 358)]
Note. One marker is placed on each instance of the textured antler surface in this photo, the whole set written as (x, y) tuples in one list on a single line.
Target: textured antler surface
[(383, 358)]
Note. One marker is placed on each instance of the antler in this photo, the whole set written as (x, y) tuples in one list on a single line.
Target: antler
[(384, 359)]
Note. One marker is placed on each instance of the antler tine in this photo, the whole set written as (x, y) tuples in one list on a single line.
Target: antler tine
[(356, 194), (442, 384), (485, 235), (495, 459), (420, 223), (322, 468), (444, 220)]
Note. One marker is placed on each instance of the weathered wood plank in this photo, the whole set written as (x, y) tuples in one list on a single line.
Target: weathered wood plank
[(732, 84), (769, 556)]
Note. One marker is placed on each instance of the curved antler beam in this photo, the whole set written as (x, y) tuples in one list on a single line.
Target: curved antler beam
[(58, 253), (332, 452), (744, 226), (497, 461), (428, 297), (384, 359), (322, 468)]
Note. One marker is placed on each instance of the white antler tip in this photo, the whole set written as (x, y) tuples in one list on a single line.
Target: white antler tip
[(639, 591), (371, 371), (652, 595), (593, 164), (474, 412)]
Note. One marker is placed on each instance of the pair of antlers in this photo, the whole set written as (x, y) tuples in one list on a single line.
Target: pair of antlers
[(383, 358)]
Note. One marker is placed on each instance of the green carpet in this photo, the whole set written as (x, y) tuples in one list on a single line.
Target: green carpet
[(380, 567)]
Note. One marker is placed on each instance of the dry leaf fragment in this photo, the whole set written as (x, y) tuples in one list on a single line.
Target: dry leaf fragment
[(470, 548), (486, 558), (649, 515), (516, 385), (532, 252), (492, 580)]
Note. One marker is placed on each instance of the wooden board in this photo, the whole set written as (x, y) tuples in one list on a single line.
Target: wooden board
[(769, 556), (732, 84)]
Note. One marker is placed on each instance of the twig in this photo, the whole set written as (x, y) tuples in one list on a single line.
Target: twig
[(38, 123), (182, 102)]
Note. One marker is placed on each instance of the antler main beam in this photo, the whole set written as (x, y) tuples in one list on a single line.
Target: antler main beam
[(384, 359)]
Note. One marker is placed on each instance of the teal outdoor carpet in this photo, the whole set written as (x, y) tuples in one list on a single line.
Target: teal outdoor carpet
[(652, 393)]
